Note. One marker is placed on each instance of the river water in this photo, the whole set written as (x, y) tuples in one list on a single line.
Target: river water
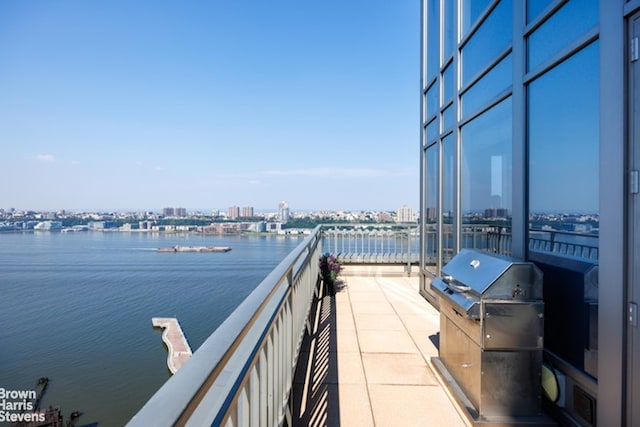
[(77, 308)]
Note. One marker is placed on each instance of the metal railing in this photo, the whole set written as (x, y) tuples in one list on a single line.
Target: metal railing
[(578, 245), (243, 373), (373, 244), (498, 239)]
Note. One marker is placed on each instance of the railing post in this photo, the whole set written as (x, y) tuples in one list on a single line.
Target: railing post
[(408, 251)]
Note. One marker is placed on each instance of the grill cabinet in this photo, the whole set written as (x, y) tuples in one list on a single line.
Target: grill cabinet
[(491, 337)]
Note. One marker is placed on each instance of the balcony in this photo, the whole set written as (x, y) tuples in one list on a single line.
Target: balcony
[(290, 355), (366, 360)]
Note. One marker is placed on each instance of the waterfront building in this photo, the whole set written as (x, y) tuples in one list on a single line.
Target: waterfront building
[(247, 211), (283, 212), (48, 226), (405, 214), (174, 212), (233, 212), (530, 109)]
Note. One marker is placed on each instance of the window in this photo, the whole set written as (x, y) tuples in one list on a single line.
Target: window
[(565, 26), (431, 214), (486, 175), (433, 130), (535, 7), (563, 146), (433, 38), (448, 118), (485, 45), (494, 82), (448, 84), (471, 11), (563, 129), (433, 100), (448, 33), (448, 197)]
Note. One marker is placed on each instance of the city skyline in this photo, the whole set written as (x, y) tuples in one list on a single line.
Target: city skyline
[(120, 106)]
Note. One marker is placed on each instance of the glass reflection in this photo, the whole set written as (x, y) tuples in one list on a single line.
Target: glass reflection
[(448, 197), (567, 24), (448, 84), (497, 80), (448, 118), (431, 198), (534, 7), (471, 11), (449, 29), (433, 100), (492, 37), (433, 130), (486, 170), (433, 38), (563, 129), (563, 144)]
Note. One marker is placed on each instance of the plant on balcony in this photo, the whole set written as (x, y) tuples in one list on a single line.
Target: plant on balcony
[(329, 268)]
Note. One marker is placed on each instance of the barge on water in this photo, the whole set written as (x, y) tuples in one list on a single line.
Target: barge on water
[(179, 248)]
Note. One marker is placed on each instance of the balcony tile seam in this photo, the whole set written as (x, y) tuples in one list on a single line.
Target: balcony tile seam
[(406, 328), (364, 373)]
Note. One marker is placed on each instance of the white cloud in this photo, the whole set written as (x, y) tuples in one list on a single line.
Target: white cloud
[(340, 172), (45, 158)]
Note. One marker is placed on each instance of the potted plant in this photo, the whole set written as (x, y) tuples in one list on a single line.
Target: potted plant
[(329, 269)]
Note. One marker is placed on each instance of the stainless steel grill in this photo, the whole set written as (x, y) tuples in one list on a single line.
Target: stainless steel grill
[(491, 336)]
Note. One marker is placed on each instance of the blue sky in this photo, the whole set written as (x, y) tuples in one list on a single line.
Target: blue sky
[(140, 105)]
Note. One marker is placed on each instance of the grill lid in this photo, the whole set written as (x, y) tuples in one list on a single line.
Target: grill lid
[(473, 275), (475, 271)]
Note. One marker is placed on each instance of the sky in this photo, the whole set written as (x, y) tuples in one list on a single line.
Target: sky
[(209, 104)]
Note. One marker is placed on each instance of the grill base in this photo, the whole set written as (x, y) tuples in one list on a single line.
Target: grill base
[(471, 411)]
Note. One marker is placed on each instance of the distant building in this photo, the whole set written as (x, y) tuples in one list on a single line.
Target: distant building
[(101, 225), (283, 212), (496, 213), (48, 226), (405, 214), (247, 211), (234, 212), (174, 212)]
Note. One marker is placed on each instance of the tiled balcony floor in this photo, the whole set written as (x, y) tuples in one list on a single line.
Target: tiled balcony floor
[(367, 361)]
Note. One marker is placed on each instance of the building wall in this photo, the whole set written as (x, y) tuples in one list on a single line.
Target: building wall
[(522, 113), (247, 211), (234, 212)]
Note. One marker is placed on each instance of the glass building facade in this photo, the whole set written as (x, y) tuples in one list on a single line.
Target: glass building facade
[(530, 148)]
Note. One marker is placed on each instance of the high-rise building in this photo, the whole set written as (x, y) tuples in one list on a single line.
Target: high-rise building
[(174, 212), (283, 212), (529, 116), (405, 214), (247, 211), (234, 212)]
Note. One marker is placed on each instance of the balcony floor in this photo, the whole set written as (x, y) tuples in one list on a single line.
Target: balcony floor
[(367, 360)]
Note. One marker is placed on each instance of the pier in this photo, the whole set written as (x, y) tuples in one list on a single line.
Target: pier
[(178, 349)]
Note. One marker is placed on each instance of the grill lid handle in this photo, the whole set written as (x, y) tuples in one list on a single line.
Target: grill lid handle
[(449, 280)]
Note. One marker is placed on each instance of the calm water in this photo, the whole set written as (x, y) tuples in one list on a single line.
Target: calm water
[(77, 308)]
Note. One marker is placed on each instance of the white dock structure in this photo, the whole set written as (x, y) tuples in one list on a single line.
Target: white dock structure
[(178, 349)]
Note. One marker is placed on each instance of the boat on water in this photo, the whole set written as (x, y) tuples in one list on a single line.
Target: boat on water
[(179, 248)]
